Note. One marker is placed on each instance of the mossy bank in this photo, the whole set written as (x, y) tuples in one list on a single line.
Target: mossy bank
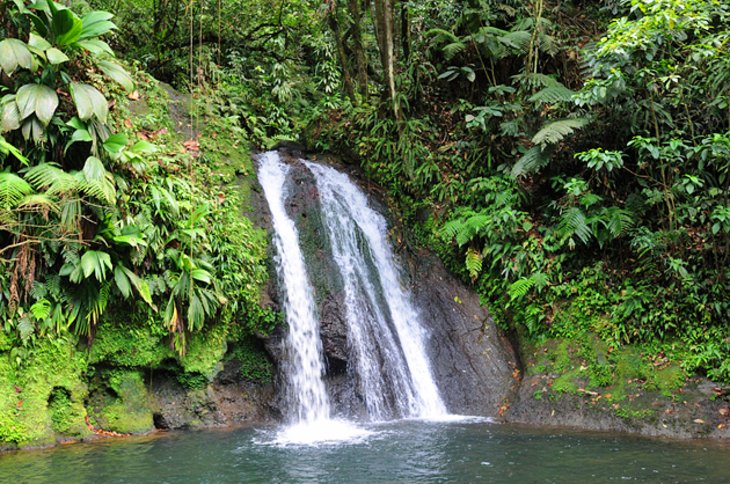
[(131, 376)]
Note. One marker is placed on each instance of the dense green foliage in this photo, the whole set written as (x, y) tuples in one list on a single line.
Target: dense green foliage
[(575, 158), (571, 159), (120, 242)]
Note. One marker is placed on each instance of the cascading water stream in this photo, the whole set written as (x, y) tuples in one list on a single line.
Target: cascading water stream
[(385, 336), (386, 342), (306, 394)]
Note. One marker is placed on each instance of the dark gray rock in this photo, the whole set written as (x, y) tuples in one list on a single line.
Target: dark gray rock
[(227, 401), (472, 361)]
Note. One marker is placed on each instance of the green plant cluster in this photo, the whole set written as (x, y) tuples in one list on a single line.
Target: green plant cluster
[(124, 247), (579, 185), (570, 159), (615, 378)]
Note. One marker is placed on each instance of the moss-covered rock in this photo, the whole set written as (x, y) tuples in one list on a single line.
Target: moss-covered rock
[(43, 399), (120, 402)]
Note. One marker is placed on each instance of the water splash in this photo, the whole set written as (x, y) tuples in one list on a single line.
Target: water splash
[(385, 336)]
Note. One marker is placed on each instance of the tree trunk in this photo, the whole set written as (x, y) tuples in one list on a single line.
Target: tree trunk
[(360, 60), (336, 32), (405, 32), (384, 21)]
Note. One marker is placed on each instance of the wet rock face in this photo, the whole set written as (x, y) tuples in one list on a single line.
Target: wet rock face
[(471, 360), (472, 363)]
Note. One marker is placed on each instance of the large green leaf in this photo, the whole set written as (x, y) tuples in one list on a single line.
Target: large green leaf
[(117, 73), (142, 287), (116, 143), (10, 116), (96, 23), (33, 128), (55, 56), (96, 262), (14, 53), (95, 46), (89, 102), (66, 27), (122, 281), (94, 169), (38, 44), (39, 99)]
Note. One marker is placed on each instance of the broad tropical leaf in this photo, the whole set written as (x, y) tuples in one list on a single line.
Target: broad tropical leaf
[(10, 115), (55, 56), (96, 262), (66, 27), (117, 73), (39, 99), (14, 53), (89, 102), (95, 46), (96, 23)]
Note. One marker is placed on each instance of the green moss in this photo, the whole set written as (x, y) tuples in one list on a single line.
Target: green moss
[(205, 352), (633, 413), (6, 342), (120, 402), (667, 380), (67, 415), (255, 363), (32, 410), (566, 383), (129, 345), (561, 356)]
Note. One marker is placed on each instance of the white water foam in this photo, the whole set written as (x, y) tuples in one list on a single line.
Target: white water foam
[(385, 335), (322, 432)]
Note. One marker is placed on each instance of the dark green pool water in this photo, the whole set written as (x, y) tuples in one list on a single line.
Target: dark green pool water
[(403, 451)]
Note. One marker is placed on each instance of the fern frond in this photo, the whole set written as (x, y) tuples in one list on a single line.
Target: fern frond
[(472, 227), (473, 263), (520, 287), (617, 221), (533, 160), (518, 39), (441, 35), (13, 189), (537, 79), (48, 176), (573, 223), (451, 50), (554, 132), (552, 95), (38, 202)]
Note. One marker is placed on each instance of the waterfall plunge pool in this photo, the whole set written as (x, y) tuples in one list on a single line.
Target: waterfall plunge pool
[(400, 451)]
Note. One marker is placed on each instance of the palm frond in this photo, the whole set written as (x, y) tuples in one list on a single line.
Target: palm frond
[(552, 95)]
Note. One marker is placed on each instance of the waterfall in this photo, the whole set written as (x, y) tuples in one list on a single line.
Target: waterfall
[(386, 355), (386, 339), (306, 395)]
